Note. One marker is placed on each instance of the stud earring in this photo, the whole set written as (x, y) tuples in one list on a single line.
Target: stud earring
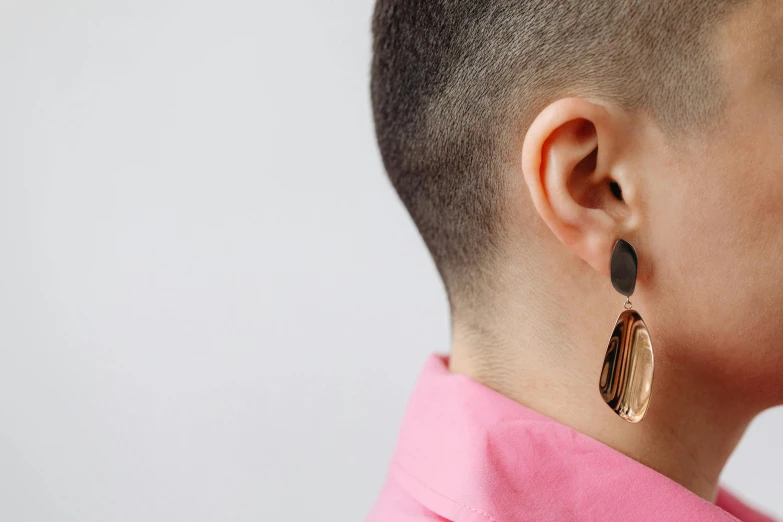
[(627, 373)]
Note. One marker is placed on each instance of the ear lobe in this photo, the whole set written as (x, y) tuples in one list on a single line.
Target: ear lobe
[(566, 162)]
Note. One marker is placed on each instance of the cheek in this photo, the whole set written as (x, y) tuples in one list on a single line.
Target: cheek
[(717, 235), (716, 242)]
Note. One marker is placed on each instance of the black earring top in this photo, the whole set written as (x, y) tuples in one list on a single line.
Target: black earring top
[(623, 267)]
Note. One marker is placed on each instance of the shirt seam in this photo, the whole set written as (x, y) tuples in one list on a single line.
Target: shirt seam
[(403, 469)]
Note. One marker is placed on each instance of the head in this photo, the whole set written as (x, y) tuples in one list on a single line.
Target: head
[(526, 137)]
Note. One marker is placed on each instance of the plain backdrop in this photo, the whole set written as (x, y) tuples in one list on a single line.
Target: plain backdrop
[(212, 305)]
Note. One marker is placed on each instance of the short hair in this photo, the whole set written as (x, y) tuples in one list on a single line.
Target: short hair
[(454, 81)]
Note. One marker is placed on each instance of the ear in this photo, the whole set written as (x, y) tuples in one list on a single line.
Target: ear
[(571, 166)]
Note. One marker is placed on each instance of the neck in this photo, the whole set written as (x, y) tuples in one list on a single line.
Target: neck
[(552, 365)]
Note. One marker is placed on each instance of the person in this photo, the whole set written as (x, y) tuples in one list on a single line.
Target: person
[(600, 186)]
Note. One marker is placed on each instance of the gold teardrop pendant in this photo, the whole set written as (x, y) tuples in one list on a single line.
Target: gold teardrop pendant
[(627, 374)]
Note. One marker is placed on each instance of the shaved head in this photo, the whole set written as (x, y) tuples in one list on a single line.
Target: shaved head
[(527, 137), (455, 83)]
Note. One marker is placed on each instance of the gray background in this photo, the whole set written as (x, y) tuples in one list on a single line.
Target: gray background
[(213, 306)]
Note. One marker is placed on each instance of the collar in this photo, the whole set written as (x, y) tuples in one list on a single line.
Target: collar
[(470, 454)]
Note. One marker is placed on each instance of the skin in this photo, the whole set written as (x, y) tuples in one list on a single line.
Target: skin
[(704, 211)]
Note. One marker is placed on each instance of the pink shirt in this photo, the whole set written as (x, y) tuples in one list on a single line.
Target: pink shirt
[(466, 453)]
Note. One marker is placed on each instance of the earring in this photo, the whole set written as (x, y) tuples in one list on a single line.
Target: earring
[(627, 373)]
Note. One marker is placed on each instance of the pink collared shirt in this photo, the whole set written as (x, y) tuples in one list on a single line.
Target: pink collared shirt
[(466, 453)]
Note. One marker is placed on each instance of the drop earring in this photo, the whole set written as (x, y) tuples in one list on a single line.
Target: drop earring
[(627, 372)]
